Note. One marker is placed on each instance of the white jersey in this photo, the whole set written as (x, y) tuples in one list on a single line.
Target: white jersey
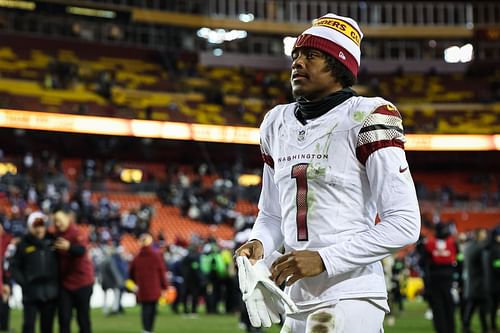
[(323, 184)]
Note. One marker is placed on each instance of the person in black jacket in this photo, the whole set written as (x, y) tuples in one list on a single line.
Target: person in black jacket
[(35, 269), (494, 273), (476, 286)]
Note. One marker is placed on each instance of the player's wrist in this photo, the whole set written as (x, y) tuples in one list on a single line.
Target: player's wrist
[(323, 267), (257, 241), (328, 266)]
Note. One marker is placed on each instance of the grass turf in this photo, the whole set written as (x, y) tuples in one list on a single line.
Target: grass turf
[(410, 321)]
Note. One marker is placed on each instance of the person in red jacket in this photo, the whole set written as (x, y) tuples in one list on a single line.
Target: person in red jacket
[(441, 255), (148, 272), (5, 287), (1, 266), (1, 263), (76, 274)]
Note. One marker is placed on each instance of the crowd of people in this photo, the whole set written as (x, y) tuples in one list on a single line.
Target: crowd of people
[(40, 183), (213, 204), (201, 271), (53, 270), (56, 267), (460, 273), (198, 270)]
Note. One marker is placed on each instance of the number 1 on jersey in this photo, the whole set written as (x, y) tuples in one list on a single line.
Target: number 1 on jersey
[(299, 172)]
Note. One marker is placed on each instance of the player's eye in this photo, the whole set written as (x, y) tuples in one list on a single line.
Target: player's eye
[(312, 55)]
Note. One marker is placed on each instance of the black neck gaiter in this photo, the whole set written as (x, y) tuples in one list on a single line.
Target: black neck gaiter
[(313, 109)]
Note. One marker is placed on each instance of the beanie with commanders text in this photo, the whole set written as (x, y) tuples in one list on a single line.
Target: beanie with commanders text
[(338, 36)]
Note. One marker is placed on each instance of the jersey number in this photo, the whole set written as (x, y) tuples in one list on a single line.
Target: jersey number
[(299, 172)]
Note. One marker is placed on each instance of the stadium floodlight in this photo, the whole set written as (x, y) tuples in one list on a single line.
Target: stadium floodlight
[(452, 54), (455, 54), (466, 53), (218, 52), (219, 36), (246, 17), (235, 34), (288, 43)]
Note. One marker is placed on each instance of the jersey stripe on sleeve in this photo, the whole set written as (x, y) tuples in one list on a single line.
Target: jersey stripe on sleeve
[(382, 128), (266, 157)]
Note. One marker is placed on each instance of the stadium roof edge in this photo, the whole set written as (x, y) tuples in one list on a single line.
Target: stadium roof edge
[(266, 26), (270, 27)]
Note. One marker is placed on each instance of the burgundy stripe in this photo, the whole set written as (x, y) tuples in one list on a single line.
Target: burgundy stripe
[(384, 109), (268, 160), (364, 151)]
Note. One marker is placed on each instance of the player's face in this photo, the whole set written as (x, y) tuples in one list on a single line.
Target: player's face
[(310, 77)]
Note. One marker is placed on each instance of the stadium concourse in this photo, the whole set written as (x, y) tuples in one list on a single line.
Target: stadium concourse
[(99, 107)]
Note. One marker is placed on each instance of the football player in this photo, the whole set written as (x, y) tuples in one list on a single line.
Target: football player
[(333, 160)]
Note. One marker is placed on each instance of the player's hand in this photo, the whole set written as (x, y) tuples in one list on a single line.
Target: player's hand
[(5, 292), (62, 244), (296, 265), (253, 250)]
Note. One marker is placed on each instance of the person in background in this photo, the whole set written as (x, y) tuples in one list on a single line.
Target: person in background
[(459, 278), (148, 272), (475, 280), (76, 274), (213, 267), (173, 258), (4, 291), (228, 281), (5, 287), (193, 279), (34, 268), (494, 264), (110, 278), (441, 252), (122, 265)]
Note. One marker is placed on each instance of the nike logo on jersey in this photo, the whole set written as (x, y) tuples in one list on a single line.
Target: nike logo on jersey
[(401, 170)]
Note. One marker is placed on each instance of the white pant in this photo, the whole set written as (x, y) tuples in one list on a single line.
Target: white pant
[(347, 316)]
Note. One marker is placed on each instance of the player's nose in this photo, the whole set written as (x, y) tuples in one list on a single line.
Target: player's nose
[(298, 62)]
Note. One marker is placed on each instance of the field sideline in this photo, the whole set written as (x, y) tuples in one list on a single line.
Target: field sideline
[(411, 321)]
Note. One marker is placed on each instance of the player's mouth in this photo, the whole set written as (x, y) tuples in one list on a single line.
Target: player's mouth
[(296, 76)]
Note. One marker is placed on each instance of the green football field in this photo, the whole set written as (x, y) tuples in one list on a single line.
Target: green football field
[(411, 321)]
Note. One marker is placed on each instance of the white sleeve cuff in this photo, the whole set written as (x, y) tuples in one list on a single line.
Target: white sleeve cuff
[(267, 230), (323, 253)]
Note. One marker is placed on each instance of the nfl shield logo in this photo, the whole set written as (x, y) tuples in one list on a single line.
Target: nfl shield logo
[(302, 135)]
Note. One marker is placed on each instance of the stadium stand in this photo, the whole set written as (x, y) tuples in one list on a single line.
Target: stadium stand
[(178, 209), (71, 77)]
